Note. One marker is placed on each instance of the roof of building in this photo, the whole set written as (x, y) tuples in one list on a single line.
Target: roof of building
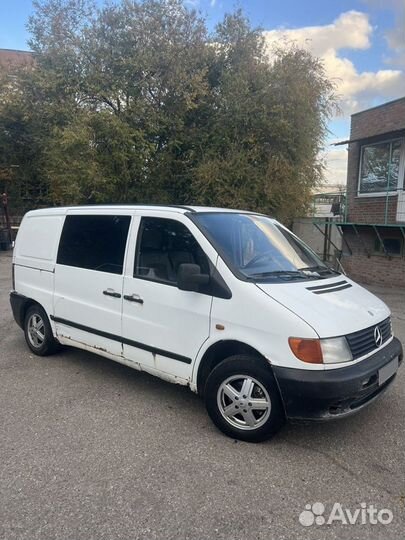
[(385, 135), (12, 57), (387, 103)]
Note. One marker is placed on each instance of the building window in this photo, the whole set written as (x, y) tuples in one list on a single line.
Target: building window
[(382, 167), (392, 246)]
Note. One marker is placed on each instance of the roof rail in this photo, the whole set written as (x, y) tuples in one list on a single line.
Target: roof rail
[(180, 206)]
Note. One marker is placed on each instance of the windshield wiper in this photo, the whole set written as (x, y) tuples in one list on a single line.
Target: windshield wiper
[(319, 269), (281, 273)]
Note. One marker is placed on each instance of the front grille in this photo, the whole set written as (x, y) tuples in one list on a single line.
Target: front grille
[(363, 341)]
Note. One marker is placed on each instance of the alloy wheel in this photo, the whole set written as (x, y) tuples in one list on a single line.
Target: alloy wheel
[(36, 330), (244, 402)]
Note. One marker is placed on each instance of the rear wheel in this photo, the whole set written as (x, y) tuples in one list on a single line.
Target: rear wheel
[(38, 332), (243, 400)]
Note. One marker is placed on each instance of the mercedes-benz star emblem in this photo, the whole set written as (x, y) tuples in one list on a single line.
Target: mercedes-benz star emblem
[(378, 336)]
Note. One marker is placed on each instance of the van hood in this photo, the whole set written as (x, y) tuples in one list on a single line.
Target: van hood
[(332, 307)]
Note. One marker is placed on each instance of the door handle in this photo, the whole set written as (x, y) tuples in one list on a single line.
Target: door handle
[(133, 298), (110, 292)]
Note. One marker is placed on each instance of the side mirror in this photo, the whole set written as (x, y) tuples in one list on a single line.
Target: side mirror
[(189, 277)]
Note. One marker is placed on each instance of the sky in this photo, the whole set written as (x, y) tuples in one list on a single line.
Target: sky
[(361, 42)]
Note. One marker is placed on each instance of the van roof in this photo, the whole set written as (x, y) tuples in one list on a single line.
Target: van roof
[(61, 210)]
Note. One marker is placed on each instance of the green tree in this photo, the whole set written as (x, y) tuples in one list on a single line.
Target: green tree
[(263, 141), (136, 102), (21, 143)]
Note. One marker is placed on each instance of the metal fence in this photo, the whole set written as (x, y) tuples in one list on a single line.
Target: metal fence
[(372, 208)]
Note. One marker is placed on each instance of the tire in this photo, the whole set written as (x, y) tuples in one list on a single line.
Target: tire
[(38, 332), (253, 418)]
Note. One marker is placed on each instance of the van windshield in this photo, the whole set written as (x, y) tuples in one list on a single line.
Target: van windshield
[(260, 248)]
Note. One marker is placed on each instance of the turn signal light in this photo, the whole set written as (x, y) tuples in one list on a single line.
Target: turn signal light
[(307, 350)]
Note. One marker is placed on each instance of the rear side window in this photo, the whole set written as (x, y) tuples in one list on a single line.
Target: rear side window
[(94, 242)]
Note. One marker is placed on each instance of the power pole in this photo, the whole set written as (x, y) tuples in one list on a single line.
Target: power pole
[(6, 176), (4, 201)]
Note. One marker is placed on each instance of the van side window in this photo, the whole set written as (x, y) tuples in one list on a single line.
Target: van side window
[(94, 242), (163, 245)]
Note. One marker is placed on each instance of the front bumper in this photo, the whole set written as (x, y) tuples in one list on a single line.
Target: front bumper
[(333, 393)]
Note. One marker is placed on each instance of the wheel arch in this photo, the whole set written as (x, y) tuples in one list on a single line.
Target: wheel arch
[(217, 352), (20, 304)]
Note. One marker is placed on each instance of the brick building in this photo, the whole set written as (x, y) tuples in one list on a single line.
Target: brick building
[(11, 59), (11, 62), (373, 221)]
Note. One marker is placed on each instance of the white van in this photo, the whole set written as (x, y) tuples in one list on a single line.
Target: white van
[(230, 303)]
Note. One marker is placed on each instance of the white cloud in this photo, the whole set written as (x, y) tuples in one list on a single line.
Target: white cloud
[(351, 30), (357, 90), (213, 2), (336, 171), (396, 36)]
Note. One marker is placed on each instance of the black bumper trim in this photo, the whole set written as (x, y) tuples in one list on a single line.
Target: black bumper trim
[(327, 394), (18, 302)]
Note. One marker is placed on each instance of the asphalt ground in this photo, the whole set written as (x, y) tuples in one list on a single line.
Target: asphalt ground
[(90, 449)]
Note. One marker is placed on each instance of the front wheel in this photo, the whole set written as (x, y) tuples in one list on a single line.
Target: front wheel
[(243, 400)]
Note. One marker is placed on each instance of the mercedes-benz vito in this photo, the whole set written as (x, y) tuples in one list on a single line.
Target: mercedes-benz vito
[(230, 303)]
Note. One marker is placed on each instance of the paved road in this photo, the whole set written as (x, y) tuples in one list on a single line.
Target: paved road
[(90, 449)]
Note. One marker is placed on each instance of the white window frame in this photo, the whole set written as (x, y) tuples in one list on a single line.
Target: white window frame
[(401, 170)]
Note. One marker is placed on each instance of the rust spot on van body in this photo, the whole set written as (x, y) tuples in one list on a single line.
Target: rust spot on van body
[(98, 348)]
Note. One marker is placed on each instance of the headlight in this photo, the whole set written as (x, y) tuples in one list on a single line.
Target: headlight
[(321, 351), (335, 350)]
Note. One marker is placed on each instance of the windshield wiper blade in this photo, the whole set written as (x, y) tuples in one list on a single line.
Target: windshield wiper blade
[(318, 268), (290, 273)]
